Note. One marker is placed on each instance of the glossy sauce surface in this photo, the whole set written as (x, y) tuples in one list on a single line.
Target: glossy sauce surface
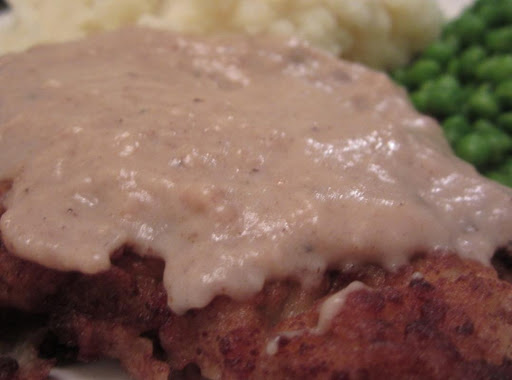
[(235, 160)]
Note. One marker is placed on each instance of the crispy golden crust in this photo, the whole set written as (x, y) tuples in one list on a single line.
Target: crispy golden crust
[(439, 317), (455, 322)]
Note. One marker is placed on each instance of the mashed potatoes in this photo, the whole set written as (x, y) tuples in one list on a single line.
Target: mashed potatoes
[(380, 33)]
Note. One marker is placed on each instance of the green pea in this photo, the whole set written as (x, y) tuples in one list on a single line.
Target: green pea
[(483, 125), (499, 40), (469, 89), (465, 81), (469, 60), (495, 69), (503, 178), (474, 149), (453, 67), (504, 121), (506, 167), (478, 4), (482, 104), (499, 141), (449, 32), (399, 76), (422, 71), (448, 81), (490, 14), (455, 127), (469, 28), (502, 173), (506, 12), (420, 100), (503, 94), (440, 51), (444, 96)]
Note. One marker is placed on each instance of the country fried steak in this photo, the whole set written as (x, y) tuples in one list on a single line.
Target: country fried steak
[(452, 321), (439, 317), (240, 208)]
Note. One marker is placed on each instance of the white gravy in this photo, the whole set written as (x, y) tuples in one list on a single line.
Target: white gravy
[(328, 310), (235, 160)]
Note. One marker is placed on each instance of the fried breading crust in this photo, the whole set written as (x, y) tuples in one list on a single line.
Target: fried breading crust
[(19, 337), (439, 317)]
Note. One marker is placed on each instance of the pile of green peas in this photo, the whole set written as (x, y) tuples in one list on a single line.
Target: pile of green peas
[(464, 79)]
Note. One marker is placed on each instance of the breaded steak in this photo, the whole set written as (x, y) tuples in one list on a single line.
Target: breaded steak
[(452, 321), (240, 208)]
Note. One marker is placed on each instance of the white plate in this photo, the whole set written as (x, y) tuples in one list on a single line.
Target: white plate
[(102, 370), (452, 8)]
